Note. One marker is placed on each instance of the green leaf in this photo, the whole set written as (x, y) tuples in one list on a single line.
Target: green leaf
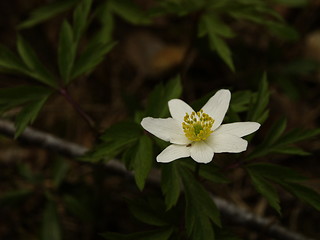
[(275, 132), (216, 42), (200, 208), (76, 206), (214, 24), (91, 58), (266, 190), (290, 150), (161, 234), (80, 16), (115, 139), (170, 184), (50, 225), (273, 171), (37, 70), (14, 197), (149, 211), (66, 51), (130, 12), (158, 99), (8, 60), (15, 96), (143, 161), (28, 114), (106, 19), (60, 170), (258, 110), (304, 193), (45, 12), (211, 172)]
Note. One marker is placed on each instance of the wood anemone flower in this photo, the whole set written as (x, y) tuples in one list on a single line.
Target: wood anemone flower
[(199, 134)]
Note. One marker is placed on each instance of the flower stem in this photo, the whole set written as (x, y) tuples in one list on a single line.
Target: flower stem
[(64, 92)]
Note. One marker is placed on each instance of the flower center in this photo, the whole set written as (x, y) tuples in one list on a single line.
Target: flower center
[(197, 126)]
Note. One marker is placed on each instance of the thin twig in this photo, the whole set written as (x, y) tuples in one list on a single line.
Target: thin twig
[(228, 210)]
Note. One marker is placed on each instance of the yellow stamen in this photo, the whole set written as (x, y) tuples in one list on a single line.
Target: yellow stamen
[(197, 126)]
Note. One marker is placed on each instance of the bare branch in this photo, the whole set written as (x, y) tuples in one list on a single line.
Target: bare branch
[(228, 210)]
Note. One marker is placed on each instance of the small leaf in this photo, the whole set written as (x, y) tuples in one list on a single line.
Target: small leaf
[(158, 99), (37, 70), (60, 170), (14, 197), (66, 51), (130, 12), (50, 226), (143, 161), (273, 171), (8, 60), (200, 208), (80, 16), (304, 193), (91, 58), (266, 190), (170, 184), (258, 109), (76, 206), (45, 12), (28, 114), (275, 132)]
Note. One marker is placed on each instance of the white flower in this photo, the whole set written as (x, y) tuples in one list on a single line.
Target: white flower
[(199, 134)]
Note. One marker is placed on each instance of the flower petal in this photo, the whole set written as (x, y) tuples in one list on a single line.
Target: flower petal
[(239, 129), (178, 109), (217, 106), (201, 152), (167, 129), (226, 143), (173, 152)]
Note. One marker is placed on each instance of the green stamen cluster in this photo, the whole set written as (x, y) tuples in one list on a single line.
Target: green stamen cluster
[(197, 126)]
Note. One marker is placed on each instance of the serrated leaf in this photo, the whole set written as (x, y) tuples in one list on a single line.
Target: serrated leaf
[(161, 234), (45, 12), (257, 110), (273, 172), (266, 190), (275, 132), (80, 16), (170, 184), (215, 25), (66, 51), (8, 60), (51, 229), (224, 52), (15, 96), (200, 208), (37, 70), (130, 12), (290, 150), (158, 99), (150, 212), (91, 58), (304, 193), (143, 161), (115, 139), (28, 114)]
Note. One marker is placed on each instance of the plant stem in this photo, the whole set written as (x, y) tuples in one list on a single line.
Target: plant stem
[(64, 92)]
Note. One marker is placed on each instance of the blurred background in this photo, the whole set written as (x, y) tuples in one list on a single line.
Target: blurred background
[(90, 198)]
